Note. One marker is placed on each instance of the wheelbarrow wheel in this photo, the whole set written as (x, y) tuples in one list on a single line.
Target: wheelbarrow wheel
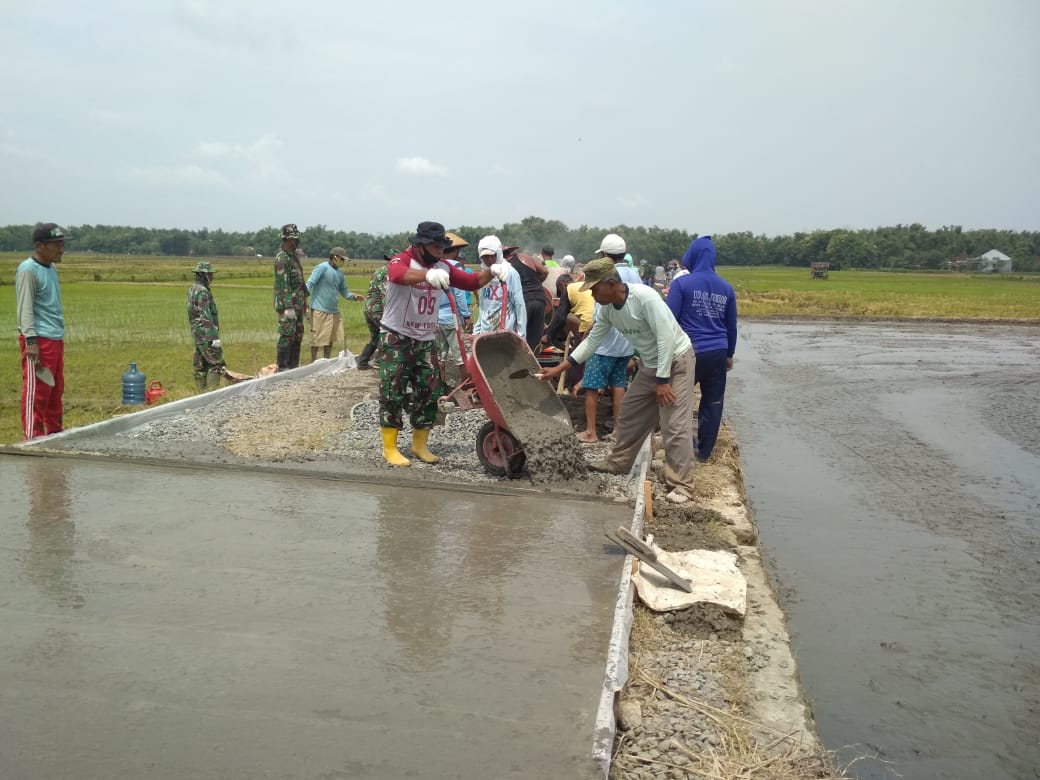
[(499, 451)]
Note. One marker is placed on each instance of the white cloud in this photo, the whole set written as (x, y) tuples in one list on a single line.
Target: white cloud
[(420, 166)]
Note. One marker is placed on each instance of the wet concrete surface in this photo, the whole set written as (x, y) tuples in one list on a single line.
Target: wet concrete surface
[(894, 473), (171, 623)]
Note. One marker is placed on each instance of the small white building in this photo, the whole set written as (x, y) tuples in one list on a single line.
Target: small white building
[(993, 262)]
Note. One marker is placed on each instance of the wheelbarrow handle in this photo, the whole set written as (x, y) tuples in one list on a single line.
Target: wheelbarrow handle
[(505, 304), (459, 324)]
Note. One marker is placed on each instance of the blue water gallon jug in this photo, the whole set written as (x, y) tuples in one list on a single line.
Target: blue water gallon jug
[(133, 386)]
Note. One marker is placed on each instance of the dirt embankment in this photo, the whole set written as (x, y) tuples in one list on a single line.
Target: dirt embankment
[(709, 694)]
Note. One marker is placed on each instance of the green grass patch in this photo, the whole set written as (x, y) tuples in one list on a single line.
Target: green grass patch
[(765, 291), (110, 323)]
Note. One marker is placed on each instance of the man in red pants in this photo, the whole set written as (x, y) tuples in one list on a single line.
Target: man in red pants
[(41, 332)]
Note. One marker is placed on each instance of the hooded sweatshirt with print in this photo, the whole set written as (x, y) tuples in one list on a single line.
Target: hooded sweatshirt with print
[(703, 302)]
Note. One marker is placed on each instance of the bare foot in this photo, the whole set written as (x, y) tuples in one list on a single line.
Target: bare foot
[(587, 437)]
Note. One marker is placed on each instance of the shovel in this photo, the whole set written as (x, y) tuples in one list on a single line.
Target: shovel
[(644, 552), (44, 375), (524, 372)]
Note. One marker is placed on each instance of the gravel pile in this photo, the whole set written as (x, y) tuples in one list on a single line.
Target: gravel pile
[(333, 419)]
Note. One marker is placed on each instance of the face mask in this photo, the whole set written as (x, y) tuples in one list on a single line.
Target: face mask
[(427, 258)]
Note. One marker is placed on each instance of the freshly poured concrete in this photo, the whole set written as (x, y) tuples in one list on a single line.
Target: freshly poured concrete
[(171, 623)]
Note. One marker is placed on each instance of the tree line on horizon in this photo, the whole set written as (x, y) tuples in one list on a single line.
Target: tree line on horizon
[(886, 248)]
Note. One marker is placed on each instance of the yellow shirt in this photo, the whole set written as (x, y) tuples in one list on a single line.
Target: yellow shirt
[(583, 306)]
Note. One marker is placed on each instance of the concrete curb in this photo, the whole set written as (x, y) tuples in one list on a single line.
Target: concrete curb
[(616, 672)]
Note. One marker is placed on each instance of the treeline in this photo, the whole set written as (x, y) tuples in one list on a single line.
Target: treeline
[(898, 247)]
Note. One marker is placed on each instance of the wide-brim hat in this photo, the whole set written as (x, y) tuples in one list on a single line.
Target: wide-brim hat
[(457, 241), (203, 267), (430, 233)]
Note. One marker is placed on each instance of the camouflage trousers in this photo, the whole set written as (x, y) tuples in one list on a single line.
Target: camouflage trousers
[(290, 332), (409, 379), (207, 358)]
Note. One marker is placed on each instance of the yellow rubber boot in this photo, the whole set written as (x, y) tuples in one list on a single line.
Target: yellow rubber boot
[(390, 452), (420, 436)]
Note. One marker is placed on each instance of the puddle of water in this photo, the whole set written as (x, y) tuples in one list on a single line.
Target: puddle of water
[(168, 623), (894, 472)]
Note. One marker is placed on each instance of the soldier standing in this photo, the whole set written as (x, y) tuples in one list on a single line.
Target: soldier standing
[(290, 299), (205, 330)]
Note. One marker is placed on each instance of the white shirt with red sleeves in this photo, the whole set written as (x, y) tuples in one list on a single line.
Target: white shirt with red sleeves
[(412, 309)]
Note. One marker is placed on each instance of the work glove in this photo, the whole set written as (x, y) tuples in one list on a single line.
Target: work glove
[(289, 314), (215, 344), (438, 277), (500, 271)]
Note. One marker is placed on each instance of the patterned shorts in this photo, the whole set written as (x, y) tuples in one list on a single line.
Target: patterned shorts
[(602, 371)]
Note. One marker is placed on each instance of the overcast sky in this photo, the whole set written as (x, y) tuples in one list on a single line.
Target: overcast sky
[(770, 116)]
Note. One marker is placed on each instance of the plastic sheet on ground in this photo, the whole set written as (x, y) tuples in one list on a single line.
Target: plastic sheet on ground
[(713, 574)]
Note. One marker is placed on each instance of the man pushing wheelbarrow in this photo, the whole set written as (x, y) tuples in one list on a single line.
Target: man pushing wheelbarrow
[(409, 373), (496, 358)]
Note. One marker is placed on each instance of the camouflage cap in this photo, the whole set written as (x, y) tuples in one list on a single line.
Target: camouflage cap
[(601, 270), (290, 231), (203, 267)]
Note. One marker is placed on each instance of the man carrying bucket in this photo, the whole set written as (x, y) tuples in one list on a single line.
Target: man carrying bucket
[(409, 373), (208, 363)]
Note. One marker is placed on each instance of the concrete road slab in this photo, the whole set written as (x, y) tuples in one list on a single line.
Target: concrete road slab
[(171, 623)]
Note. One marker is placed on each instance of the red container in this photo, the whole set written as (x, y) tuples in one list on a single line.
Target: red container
[(154, 392)]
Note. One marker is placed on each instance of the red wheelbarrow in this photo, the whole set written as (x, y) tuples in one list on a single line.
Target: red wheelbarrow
[(491, 363)]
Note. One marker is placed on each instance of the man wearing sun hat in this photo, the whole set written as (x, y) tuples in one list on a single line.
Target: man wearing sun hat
[(41, 332), (662, 391), (326, 285), (448, 323), (208, 363), (409, 373)]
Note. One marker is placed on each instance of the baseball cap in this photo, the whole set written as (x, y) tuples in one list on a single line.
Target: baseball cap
[(338, 251), (612, 244), (597, 271), (48, 231), (489, 245)]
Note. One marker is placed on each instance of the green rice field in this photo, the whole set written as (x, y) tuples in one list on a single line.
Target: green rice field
[(119, 309)]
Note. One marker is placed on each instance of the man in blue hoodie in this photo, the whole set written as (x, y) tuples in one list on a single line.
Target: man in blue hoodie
[(706, 308)]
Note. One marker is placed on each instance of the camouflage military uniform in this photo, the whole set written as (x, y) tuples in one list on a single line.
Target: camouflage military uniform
[(208, 363), (409, 377), (290, 292), (374, 302)]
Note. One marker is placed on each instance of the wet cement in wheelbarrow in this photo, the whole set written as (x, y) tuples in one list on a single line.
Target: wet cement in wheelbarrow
[(539, 420)]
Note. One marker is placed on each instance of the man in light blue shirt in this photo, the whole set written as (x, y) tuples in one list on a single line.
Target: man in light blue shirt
[(325, 285)]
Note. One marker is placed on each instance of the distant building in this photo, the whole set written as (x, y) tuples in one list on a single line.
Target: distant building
[(993, 262)]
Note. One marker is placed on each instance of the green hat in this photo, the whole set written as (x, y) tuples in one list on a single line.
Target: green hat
[(203, 267), (598, 271)]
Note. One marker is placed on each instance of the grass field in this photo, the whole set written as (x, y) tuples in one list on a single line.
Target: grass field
[(119, 309)]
